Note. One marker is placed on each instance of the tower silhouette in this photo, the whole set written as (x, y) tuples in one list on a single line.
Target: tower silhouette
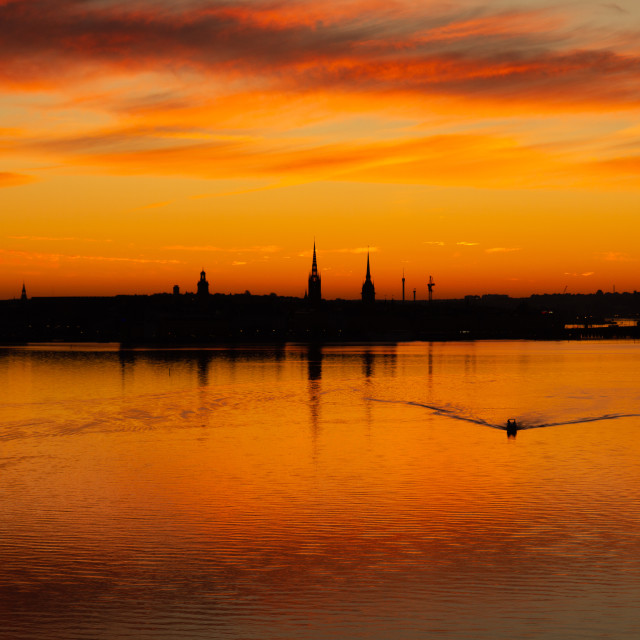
[(368, 290), (403, 285), (315, 291), (203, 285), (430, 286), (23, 296)]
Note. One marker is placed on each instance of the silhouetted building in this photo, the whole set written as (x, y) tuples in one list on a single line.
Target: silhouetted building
[(203, 285), (368, 290), (315, 291), (24, 292), (176, 290), (403, 285)]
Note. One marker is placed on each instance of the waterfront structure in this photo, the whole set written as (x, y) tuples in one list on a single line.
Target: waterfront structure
[(368, 289), (315, 284), (203, 285)]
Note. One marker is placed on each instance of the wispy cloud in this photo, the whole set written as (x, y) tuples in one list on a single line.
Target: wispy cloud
[(468, 244), (213, 89), (463, 158), (354, 250), (57, 239), (358, 250), (615, 7), (57, 257), (365, 46), (217, 249), (617, 256), (8, 179), (502, 249), (155, 205)]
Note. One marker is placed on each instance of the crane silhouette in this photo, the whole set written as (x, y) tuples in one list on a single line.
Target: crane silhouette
[(430, 286)]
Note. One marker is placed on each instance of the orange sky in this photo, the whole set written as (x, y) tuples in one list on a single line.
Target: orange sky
[(494, 146)]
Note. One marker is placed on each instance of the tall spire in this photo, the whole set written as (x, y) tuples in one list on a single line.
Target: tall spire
[(315, 284), (368, 290), (314, 265)]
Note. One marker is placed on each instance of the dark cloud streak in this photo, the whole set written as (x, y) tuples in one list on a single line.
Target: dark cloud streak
[(459, 52)]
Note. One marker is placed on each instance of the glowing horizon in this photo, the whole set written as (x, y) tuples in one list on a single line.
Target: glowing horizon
[(495, 148)]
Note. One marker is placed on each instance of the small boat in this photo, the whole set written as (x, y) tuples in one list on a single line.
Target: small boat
[(512, 427)]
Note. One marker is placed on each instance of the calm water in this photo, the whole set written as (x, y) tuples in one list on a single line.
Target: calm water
[(347, 492)]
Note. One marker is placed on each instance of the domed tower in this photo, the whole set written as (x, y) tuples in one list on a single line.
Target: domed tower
[(368, 290), (203, 285), (315, 290)]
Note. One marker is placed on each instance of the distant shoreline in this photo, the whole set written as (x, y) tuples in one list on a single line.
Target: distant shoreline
[(189, 320)]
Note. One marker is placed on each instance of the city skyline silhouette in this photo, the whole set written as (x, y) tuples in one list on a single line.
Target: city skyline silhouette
[(208, 316), (313, 290)]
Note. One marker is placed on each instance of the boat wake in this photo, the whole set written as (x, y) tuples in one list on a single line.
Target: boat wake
[(606, 416), (447, 412), (453, 414), (523, 423)]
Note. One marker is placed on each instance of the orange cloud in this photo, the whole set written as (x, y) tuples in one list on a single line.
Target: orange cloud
[(214, 90), (216, 249), (629, 165), (366, 47), (618, 256), (29, 256), (14, 179), (471, 159)]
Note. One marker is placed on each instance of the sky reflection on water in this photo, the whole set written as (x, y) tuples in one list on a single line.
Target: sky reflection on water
[(305, 492)]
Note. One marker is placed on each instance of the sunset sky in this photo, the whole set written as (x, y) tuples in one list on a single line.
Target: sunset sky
[(493, 145)]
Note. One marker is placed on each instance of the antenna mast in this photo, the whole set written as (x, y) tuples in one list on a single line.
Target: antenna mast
[(430, 286)]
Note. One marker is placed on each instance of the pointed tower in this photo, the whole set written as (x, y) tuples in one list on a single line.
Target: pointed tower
[(368, 290), (315, 285), (203, 285), (23, 296)]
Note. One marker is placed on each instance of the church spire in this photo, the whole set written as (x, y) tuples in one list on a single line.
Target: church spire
[(314, 264), (368, 289), (315, 284)]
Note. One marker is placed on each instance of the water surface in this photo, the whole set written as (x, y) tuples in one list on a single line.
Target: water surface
[(335, 492)]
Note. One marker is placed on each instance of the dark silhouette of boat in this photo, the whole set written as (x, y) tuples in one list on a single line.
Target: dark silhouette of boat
[(512, 427)]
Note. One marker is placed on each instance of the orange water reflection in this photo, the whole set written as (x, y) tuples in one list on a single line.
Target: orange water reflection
[(311, 492)]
